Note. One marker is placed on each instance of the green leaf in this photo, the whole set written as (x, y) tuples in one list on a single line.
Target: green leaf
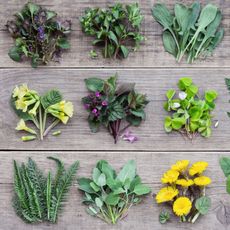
[(141, 189), (15, 54), (125, 51), (225, 165), (210, 95), (50, 14), (169, 43), (127, 172), (228, 184), (170, 94), (184, 83), (164, 217), (113, 37), (168, 124), (116, 112), (101, 180), (63, 43), (50, 98), (98, 202), (112, 199), (94, 84), (33, 8), (203, 204), (96, 174), (84, 185), (138, 113), (94, 125), (177, 123), (94, 187)]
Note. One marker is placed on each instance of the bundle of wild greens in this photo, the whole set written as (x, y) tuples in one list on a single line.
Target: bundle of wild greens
[(30, 106), (38, 197), (116, 28), (190, 114), (109, 105), (109, 195), (190, 30), (38, 35)]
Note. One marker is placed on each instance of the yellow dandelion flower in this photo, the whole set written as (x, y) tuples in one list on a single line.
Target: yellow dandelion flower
[(184, 182), (198, 168), (202, 181), (166, 194), (180, 166), (170, 177), (182, 206)]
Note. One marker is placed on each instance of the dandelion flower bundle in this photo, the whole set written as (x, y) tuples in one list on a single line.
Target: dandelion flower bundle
[(184, 190)]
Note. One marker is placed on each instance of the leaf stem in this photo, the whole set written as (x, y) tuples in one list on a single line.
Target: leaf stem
[(51, 126), (40, 123)]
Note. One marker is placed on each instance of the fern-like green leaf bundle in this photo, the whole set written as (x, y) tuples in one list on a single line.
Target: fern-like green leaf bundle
[(38, 198)]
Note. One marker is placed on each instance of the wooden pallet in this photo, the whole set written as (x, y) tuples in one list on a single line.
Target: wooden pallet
[(154, 72)]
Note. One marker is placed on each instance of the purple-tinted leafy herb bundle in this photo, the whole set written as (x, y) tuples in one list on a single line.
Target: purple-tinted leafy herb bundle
[(39, 35), (111, 105)]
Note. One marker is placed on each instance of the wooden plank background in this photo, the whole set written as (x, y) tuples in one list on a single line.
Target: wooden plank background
[(154, 72)]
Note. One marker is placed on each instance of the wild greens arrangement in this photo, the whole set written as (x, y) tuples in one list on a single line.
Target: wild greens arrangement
[(109, 105), (110, 195), (190, 30), (39, 35), (184, 191), (30, 106), (190, 113), (116, 28), (37, 197)]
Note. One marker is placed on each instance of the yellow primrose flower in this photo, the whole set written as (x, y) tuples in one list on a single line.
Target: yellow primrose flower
[(180, 166), (182, 206), (184, 182), (202, 181), (170, 177), (23, 104), (67, 108), (166, 194), (21, 126), (198, 168), (33, 111), (20, 91)]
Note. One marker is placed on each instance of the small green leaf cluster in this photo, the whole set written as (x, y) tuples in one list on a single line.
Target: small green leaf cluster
[(190, 30), (30, 106), (108, 194), (116, 28), (37, 197), (190, 113), (109, 104), (38, 35), (225, 166), (164, 217)]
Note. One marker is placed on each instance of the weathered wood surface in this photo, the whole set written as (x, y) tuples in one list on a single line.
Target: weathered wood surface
[(76, 134), (150, 167), (151, 53)]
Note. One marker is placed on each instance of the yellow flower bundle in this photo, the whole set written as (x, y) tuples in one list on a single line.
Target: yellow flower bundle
[(185, 190)]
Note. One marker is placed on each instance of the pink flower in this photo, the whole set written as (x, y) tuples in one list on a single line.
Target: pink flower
[(97, 94), (104, 103), (127, 136), (94, 111), (86, 106)]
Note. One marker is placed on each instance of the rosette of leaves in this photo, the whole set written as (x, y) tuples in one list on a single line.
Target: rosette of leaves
[(110, 195), (117, 28), (191, 114), (39, 35), (37, 197), (190, 30), (109, 105), (40, 110)]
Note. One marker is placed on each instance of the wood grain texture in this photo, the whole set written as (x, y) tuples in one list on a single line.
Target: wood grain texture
[(76, 134), (150, 167), (151, 53)]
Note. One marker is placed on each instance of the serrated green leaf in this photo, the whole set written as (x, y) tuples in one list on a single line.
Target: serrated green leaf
[(94, 84), (203, 204), (50, 98)]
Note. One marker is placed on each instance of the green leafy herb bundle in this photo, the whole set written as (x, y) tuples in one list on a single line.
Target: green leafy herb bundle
[(225, 166), (109, 195), (37, 197), (190, 30), (30, 106), (116, 28), (190, 113), (109, 105), (38, 35)]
